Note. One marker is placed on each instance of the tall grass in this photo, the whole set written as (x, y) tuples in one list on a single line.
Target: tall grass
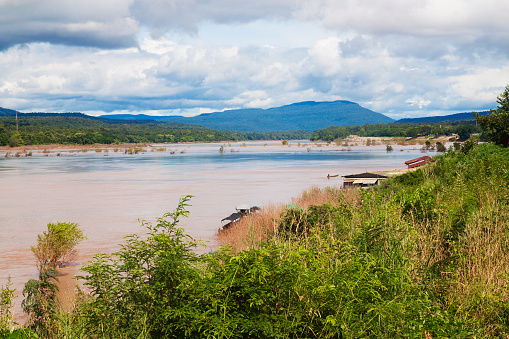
[(445, 228)]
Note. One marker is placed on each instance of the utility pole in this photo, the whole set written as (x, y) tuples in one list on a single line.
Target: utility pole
[(17, 121)]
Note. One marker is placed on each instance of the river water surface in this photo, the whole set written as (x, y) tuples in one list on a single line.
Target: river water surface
[(106, 193)]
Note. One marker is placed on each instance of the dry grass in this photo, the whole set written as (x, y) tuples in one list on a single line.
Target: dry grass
[(251, 230), (317, 196), (483, 272)]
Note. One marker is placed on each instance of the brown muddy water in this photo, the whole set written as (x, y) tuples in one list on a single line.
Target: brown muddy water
[(107, 193)]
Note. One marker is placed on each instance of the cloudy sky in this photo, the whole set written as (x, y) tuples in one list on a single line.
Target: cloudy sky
[(397, 57)]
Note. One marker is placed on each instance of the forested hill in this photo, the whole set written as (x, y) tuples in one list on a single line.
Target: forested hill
[(5, 112), (309, 115), (441, 118), (77, 128)]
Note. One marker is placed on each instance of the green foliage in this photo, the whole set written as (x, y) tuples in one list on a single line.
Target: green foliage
[(41, 303), (323, 285), (300, 222), (22, 333), (57, 244), (55, 129), (412, 178), (440, 147), (495, 126), (146, 286), (467, 146), (6, 303), (420, 205)]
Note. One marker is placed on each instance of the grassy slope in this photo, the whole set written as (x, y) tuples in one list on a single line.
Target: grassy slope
[(436, 243)]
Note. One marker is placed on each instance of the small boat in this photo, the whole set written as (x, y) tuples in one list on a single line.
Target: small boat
[(232, 218), (242, 210)]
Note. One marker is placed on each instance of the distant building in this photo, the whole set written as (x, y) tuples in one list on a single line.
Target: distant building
[(362, 180), (418, 161)]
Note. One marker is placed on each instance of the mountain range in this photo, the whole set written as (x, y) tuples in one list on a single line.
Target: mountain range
[(308, 115), (443, 118)]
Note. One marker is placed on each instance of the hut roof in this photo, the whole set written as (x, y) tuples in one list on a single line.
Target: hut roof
[(232, 217), (366, 175), (420, 159)]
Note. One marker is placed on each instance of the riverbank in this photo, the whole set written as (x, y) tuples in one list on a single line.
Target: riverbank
[(106, 195), (352, 140), (352, 143), (423, 255)]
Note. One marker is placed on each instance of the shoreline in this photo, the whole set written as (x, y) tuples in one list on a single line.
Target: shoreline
[(350, 141)]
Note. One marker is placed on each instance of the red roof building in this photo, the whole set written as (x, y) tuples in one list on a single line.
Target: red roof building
[(418, 161)]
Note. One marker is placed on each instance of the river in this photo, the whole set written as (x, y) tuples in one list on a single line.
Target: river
[(107, 193)]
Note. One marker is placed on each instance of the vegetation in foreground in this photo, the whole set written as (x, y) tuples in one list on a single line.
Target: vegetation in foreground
[(423, 256)]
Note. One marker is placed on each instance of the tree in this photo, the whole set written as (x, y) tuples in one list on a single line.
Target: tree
[(148, 284), (41, 302), (440, 147), (57, 244), (465, 131), (495, 126)]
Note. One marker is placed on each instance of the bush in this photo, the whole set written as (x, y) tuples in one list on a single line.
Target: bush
[(41, 303), (6, 303), (57, 244)]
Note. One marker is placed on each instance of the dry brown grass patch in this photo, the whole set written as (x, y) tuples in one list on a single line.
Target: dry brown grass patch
[(317, 196), (249, 231)]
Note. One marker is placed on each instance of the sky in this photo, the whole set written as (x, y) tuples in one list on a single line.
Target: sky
[(184, 57)]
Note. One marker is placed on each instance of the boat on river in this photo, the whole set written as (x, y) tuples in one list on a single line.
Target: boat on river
[(241, 211)]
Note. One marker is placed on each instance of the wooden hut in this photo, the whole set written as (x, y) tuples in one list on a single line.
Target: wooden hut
[(418, 161), (362, 179)]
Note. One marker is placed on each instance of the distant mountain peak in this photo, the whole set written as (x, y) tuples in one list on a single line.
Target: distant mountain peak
[(305, 115)]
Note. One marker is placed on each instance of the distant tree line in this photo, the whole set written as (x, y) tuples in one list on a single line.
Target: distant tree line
[(409, 130), (41, 130)]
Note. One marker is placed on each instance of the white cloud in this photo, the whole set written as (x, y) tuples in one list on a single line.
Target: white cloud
[(393, 56), (420, 17)]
